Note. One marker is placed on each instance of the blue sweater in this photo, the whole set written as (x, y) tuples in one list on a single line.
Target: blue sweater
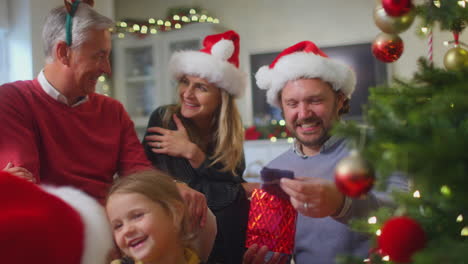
[(320, 240)]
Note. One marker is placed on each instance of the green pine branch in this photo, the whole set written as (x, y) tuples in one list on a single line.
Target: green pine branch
[(450, 15)]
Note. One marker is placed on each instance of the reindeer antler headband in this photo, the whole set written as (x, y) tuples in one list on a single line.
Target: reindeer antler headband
[(71, 9)]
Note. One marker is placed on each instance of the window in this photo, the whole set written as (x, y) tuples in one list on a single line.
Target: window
[(3, 59)]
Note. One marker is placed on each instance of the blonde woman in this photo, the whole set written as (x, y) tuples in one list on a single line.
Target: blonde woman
[(199, 141)]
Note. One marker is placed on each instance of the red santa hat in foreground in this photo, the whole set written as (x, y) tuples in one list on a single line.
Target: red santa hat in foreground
[(50, 225), (304, 60), (217, 62)]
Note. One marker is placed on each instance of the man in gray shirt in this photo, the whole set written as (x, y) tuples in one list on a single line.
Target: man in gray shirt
[(313, 91)]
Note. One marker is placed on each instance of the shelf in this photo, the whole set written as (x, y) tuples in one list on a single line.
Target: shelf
[(140, 79)]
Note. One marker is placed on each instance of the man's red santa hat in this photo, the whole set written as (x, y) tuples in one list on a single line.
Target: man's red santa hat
[(217, 62), (303, 60), (53, 225)]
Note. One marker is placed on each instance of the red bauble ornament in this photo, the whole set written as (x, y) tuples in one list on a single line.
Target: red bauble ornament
[(396, 7), (387, 47), (401, 237), (354, 176)]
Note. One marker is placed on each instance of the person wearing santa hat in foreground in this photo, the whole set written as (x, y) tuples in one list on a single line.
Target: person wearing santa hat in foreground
[(313, 92), (53, 225), (199, 140)]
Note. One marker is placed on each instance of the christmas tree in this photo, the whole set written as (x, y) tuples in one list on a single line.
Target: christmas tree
[(420, 127)]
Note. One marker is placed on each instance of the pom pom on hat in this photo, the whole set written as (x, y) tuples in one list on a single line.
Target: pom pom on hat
[(303, 60), (52, 225), (217, 62)]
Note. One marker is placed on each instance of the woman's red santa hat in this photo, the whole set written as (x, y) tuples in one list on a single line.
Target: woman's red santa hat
[(53, 225), (217, 63), (304, 60)]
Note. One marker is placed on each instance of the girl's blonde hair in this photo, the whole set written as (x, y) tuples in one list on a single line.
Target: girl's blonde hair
[(160, 188), (228, 133)]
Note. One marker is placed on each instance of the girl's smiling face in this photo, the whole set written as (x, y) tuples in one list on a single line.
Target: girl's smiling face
[(142, 228)]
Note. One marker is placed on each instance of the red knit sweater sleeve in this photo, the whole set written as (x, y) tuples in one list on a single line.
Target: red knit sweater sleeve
[(132, 157), (18, 142)]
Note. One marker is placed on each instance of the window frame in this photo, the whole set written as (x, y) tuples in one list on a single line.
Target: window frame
[(3, 58)]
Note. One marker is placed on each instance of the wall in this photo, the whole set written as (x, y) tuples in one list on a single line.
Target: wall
[(26, 18), (272, 25)]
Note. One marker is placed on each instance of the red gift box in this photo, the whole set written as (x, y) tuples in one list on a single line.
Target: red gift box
[(272, 221)]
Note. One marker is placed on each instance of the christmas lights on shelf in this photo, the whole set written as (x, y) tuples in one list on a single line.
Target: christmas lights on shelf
[(176, 19), (274, 130)]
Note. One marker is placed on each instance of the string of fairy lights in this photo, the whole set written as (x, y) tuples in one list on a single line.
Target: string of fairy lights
[(152, 26)]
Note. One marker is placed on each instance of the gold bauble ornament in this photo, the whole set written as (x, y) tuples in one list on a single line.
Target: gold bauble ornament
[(390, 24), (456, 59)]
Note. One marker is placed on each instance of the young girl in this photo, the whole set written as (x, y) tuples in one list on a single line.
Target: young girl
[(150, 221)]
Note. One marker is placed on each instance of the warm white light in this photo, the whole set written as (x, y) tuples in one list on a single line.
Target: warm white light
[(437, 3), (153, 31), (290, 140), (446, 43), (274, 122), (424, 30), (160, 22), (151, 21), (192, 11), (178, 26), (216, 21), (121, 35), (273, 139), (194, 18), (464, 231), (144, 30), (417, 194), (185, 19), (372, 220), (176, 17), (209, 19), (378, 232), (167, 23), (136, 27), (282, 123), (386, 258), (204, 17), (102, 78), (461, 3), (123, 24), (460, 219)]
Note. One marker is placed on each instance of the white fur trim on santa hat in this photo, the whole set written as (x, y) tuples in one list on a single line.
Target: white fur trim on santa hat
[(98, 236), (304, 65), (211, 68)]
